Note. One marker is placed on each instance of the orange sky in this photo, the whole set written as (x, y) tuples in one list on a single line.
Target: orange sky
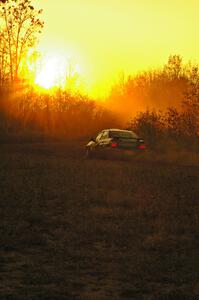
[(107, 37)]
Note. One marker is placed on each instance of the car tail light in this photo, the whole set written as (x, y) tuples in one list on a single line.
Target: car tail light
[(142, 147), (114, 145)]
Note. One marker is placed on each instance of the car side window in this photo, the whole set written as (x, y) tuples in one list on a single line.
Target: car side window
[(99, 136), (105, 135)]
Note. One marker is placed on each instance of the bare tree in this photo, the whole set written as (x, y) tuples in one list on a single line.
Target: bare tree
[(20, 24), (174, 67)]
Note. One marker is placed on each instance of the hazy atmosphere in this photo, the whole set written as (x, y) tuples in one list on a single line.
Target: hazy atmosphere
[(108, 37), (99, 150)]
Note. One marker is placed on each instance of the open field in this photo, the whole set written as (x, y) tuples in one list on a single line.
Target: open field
[(81, 229)]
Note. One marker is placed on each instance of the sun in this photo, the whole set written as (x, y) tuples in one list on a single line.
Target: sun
[(52, 71), (56, 70), (49, 70)]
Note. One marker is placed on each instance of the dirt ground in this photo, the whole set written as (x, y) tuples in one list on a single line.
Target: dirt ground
[(72, 228)]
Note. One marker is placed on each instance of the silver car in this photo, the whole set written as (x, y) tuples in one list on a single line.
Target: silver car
[(114, 142)]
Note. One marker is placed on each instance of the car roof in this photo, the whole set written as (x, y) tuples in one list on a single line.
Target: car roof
[(116, 129)]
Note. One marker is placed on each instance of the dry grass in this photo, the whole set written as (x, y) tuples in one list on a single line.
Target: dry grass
[(97, 229)]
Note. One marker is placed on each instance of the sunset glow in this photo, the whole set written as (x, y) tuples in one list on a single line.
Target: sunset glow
[(108, 37), (55, 70), (51, 73)]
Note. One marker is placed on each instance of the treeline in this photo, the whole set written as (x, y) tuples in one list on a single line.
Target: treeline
[(162, 105), (169, 129), (26, 114), (171, 85)]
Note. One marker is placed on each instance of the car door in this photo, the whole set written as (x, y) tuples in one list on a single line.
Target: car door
[(98, 140), (103, 142), (103, 139)]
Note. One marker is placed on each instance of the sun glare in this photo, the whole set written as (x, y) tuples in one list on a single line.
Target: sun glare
[(52, 72), (55, 70)]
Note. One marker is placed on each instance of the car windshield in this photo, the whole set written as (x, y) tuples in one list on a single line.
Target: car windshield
[(123, 134)]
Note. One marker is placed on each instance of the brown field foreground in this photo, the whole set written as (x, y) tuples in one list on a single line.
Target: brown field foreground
[(82, 229)]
